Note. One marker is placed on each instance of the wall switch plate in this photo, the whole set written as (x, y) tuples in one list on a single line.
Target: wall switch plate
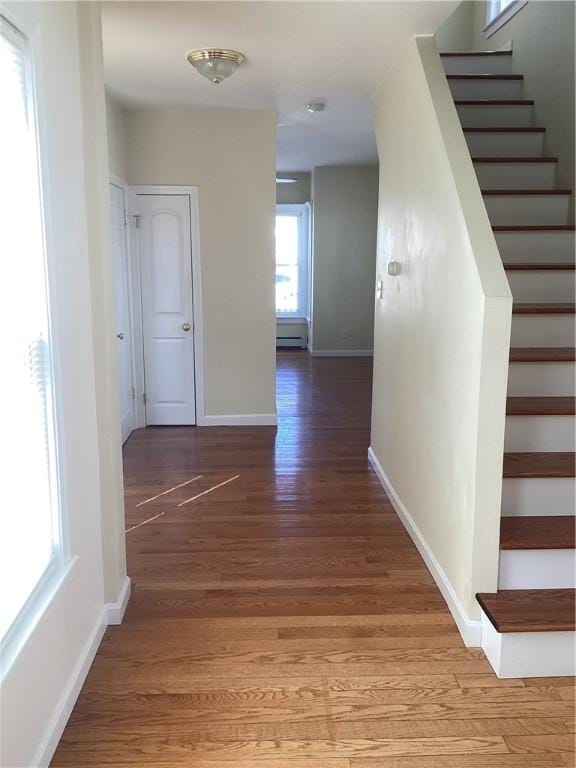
[(394, 268)]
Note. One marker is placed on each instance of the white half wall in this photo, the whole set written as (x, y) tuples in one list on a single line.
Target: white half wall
[(442, 331)]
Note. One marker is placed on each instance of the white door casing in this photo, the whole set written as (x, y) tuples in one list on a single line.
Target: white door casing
[(124, 339), (167, 307)]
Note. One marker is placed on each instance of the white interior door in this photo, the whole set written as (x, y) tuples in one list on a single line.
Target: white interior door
[(167, 312), (126, 390)]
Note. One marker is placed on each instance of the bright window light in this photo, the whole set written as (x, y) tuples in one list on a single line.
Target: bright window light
[(29, 528), (291, 261)]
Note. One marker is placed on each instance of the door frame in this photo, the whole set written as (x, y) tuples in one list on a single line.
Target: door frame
[(138, 325), (119, 182)]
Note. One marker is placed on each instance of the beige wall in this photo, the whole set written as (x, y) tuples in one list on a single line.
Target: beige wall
[(39, 687), (542, 34), (294, 193), (116, 134), (457, 33), (344, 237), (102, 283), (230, 156), (441, 334)]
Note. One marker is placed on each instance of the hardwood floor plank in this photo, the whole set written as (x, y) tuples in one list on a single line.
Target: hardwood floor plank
[(540, 743), (285, 620)]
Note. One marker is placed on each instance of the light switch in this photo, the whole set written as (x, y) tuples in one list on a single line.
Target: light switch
[(394, 268)]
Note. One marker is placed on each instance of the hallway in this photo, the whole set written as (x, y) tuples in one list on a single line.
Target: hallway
[(281, 617)]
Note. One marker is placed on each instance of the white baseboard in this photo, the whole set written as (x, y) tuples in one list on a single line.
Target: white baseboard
[(240, 420), (70, 694), (115, 611), (341, 352), (470, 629)]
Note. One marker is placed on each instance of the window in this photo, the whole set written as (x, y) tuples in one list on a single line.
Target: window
[(292, 261), (498, 12), (29, 512)]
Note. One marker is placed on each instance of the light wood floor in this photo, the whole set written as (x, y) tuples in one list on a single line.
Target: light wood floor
[(285, 620)]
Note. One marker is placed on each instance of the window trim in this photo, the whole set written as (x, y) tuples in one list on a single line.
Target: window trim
[(302, 312), (495, 22), (27, 36)]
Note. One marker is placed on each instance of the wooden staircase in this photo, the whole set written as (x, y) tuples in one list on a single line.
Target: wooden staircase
[(528, 625)]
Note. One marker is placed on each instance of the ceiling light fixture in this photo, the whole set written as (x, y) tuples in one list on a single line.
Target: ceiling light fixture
[(215, 64), (316, 106), (285, 180)]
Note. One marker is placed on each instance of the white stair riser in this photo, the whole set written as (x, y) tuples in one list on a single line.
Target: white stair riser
[(537, 210), (483, 116), (505, 144), (477, 65), (543, 331), (540, 379), (537, 569), (516, 175), (541, 286), (540, 433), (519, 247), (529, 654), (535, 496), (486, 89)]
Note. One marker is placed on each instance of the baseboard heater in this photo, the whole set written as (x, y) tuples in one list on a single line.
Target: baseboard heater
[(292, 341)]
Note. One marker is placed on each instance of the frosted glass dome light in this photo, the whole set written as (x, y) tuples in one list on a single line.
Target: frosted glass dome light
[(215, 64)]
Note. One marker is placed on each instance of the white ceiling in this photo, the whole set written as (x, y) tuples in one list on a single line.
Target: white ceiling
[(337, 52)]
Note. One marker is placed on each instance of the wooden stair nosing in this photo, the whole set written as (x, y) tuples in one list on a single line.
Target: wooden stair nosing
[(494, 102), (449, 54), (540, 406), (533, 228), (485, 76), (542, 266), (515, 159), (561, 308), (505, 129), (542, 355), (530, 610), (539, 464), (538, 532), (528, 192)]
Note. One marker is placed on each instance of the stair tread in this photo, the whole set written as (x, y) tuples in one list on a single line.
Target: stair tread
[(485, 76), (541, 266), (505, 129), (536, 464), (542, 355), (541, 406), (546, 532), (447, 54), (560, 308), (494, 102), (515, 159), (533, 228), (528, 192), (530, 610)]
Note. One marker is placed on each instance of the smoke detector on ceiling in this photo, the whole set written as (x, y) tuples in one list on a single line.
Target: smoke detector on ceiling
[(316, 106)]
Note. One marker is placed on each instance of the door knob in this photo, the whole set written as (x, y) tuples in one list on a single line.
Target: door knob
[(185, 326), (120, 336)]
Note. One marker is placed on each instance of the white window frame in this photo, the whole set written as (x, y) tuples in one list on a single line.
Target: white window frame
[(27, 37), (302, 313), (498, 14)]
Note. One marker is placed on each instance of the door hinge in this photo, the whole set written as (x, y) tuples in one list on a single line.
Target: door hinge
[(125, 218), (133, 393), (144, 397)]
